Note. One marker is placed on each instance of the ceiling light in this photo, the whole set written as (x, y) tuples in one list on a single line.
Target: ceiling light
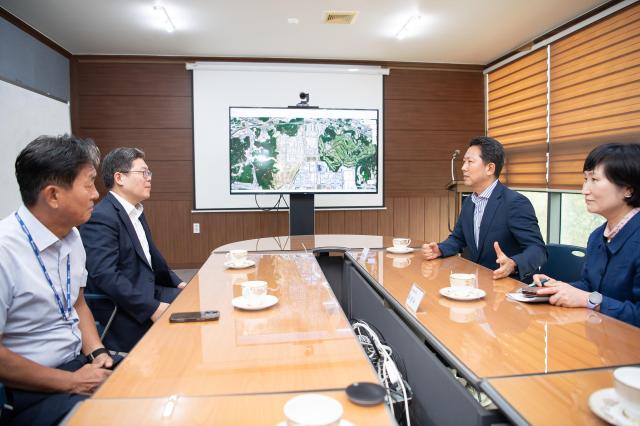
[(406, 28), (293, 20), (163, 17), (353, 69)]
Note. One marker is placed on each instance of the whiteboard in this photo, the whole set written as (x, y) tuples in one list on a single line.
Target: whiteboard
[(218, 86), (24, 115)]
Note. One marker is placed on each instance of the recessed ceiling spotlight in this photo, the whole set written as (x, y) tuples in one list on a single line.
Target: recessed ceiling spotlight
[(163, 17), (293, 21), (408, 26)]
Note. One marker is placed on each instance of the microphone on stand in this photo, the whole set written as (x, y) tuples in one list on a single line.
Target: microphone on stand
[(453, 157)]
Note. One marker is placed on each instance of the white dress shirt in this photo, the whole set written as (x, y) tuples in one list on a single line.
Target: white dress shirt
[(134, 213), (31, 324)]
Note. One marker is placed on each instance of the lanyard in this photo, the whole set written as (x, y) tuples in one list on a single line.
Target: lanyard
[(66, 315)]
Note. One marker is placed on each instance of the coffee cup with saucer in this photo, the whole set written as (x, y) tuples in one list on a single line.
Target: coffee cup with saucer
[(254, 292), (627, 385), (401, 245), (237, 259), (254, 296), (313, 410), (619, 405)]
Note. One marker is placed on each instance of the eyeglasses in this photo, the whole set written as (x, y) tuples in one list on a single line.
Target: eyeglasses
[(147, 174)]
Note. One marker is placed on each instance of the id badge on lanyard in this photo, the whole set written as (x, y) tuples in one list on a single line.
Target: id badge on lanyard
[(66, 313)]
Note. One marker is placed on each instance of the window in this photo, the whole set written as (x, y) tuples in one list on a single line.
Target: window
[(576, 223), (540, 205)]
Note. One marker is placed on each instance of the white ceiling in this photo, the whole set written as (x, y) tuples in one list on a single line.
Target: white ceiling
[(451, 31)]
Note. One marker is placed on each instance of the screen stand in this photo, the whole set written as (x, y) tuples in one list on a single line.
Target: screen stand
[(301, 214)]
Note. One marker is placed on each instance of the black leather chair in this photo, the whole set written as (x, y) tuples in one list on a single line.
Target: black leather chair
[(564, 262)]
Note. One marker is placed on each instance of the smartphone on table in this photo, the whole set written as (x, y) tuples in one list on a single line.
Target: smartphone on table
[(194, 316)]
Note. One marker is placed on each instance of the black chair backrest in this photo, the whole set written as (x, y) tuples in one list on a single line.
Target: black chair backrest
[(564, 262), (3, 398)]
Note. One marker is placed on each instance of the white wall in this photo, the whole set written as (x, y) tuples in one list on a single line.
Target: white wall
[(24, 115)]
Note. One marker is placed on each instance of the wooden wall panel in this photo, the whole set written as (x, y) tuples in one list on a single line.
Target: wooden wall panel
[(369, 222), (401, 217), (425, 144), (416, 176), (171, 176), (434, 85), (322, 222), (416, 218), (428, 114), (432, 219), (336, 222), (434, 115), (157, 144), (353, 221), (132, 112), (133, 79)]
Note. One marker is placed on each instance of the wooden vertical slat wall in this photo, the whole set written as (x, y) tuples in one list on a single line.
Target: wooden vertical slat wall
[(147, 103), (595, 93), (517, 117)]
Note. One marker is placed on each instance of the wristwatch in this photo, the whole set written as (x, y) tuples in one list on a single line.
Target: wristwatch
[(594, 300), (95, 354)]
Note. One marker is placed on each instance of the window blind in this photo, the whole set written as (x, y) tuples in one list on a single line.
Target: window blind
[(595, 93), (517, 117)]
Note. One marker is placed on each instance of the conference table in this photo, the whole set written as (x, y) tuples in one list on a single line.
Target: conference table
[(450, 351), (210, 410), (550, 398)]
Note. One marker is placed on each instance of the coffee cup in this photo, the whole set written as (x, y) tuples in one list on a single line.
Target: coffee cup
[(237, 256), (462, 280), (313, 410), (254, 292), (627, 384), (401, 242)]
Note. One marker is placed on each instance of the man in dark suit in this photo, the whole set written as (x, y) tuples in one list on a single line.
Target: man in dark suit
[(497, 227), (122, 260)]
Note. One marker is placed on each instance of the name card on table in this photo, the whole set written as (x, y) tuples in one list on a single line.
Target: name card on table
[(416, 294)]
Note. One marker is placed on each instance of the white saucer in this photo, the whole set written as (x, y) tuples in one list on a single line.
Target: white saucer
[(241, 303), (462, 293), (400, 250), (604, 403), (240, 265), (343, 422)]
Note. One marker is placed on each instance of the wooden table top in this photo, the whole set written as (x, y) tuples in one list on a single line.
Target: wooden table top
[(220, 410), (553, 398), (496, 336), (310, 242), (302, 343)]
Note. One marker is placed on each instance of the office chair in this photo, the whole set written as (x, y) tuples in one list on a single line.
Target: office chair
[(3, 400), (564, 262), (102, 328)]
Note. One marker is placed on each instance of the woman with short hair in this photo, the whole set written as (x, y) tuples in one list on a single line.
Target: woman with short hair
[(611, 276)]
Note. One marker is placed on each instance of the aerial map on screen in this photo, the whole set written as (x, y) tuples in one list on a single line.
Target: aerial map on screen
[(303, 150)]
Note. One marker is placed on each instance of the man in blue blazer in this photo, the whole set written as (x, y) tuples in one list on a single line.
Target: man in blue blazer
[(122, 260), (497, 227)]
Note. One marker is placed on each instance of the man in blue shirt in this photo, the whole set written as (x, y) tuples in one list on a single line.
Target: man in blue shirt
[(51, 356), (497, 227)]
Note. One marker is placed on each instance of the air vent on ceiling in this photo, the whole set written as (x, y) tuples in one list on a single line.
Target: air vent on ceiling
[(335, 17)]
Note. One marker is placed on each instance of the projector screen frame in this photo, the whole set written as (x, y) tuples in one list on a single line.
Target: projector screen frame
[(212, 203)]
